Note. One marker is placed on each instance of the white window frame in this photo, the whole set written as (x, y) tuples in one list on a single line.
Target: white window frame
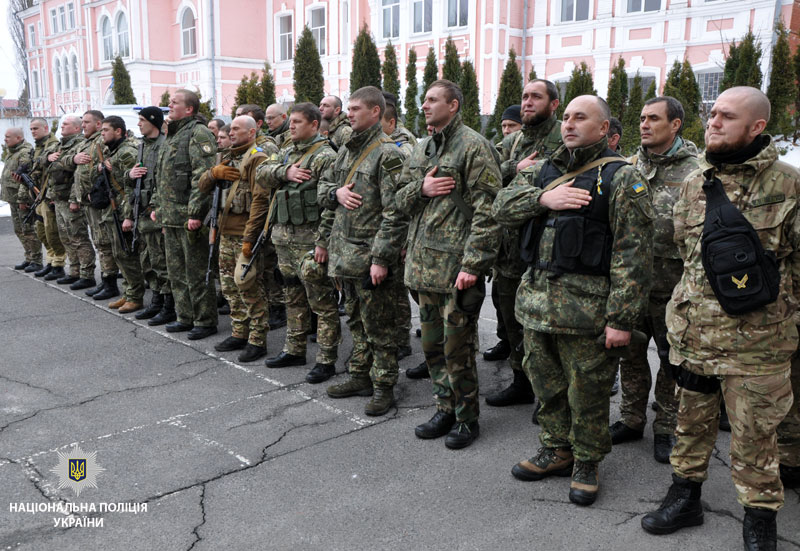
[(71, 15), (62, 17), (560, 6), (642, 5), (57, 74), (53, 21), (107, 40), (118, 35), (192, 33), (394, 19), (460, 4), (75, 72), (35, 84), (284, 38), (320, 33), (700, 73), (32, 36), (425, 5)]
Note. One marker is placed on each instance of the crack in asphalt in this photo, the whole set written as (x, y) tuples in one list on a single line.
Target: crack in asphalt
[(272, 414), (196, 530), (29, 385)]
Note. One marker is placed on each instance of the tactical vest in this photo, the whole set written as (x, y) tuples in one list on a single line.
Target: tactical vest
[(60, 178), (150, 160), (583, 237), (181, 168), (296, 204)]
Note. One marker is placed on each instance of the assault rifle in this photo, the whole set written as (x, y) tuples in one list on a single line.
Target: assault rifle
[(137, 199), (23, 173), (114, 213), (263, 237), (213, 228)]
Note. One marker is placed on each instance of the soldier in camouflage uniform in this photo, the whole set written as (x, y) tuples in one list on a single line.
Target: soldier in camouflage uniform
[(339, 129), (119, 156), (86, 160), (295, 219), (278, 125), (789, 434), (257, 113), (150, 240), (589, 277), (19, 153), (745, 358), (665, 159), (244, 211), (365, 240), (180, 208), (450, 182), (45, 226), (539, 137), (72, 227)]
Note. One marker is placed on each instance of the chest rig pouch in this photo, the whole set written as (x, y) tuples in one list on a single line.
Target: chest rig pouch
[(296, 204), (743, 276), (583, 237)]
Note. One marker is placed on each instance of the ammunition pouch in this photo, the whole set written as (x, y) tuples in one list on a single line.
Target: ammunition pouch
[(98, 195)]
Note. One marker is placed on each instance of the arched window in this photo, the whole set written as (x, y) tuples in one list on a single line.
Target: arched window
[(108, 45), (35, 84), (188, 32), (65, 73), (123, 48), (57, 74), (75, 79)]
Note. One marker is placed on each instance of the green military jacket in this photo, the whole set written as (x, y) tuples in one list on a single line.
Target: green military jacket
[(281, 135), (296, 204), (123, 157), (20, 154), (374, 232), (582, 304), (404, 139), (187, 153), (442, 239), (340, 130), (545, 139), (84, 175), (61, 173), (666, 173), (701, 334), (44, 147), (150, 148)]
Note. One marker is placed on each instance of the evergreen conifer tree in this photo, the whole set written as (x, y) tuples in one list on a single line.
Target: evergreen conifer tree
[(532, 75), (796, 73), (412, 111), (366, 62), (690, 90), (782, 90), (451, 70), (391, 74), (123, 93), (471, 110), (672, 84), (267, 85), (205, 107), (429, 76), (618, 89), (241, 94), (742, 67), (651, 91), (509, 93), (630, 121), (165, 97), (729, 71), (309, 84), (580, 83)]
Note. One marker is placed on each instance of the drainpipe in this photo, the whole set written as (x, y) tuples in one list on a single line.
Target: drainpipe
[(524, 33), (213, 56)]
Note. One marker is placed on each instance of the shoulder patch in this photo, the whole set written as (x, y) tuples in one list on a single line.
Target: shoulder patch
[(392, 165), (255, 150), (206, 148), (638, 187)]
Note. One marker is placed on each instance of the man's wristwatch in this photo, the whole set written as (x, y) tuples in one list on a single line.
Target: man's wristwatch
[(332, 195)]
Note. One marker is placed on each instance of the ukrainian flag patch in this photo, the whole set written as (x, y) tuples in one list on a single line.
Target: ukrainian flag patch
[(638, 187)]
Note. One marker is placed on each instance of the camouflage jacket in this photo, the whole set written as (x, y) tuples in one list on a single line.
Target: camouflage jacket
[(442, 240), (150, 151), (44, 147), (404, 139), (249, 203), (17, 155), (61, 173), (122, 157), (340, 131), (84, 175), (581, 304), (177, 198), (374, 232), (701, 333), (304, 195), (281, 135), (666, 173), (543, 138)]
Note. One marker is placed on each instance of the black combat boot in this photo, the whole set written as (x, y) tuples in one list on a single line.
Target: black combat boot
[(83, 283), (519, 392), (56, 273), (68, 279), (760, 531), (681, 508), (156, 303), (167, 313), (500, 351), (110, 290), (419, 372), (94, 290), (277, 316), (43, 271), (33, 267), (22, 265)]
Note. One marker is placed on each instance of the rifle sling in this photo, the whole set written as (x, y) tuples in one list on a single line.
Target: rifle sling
[(110, 172), (570, 175), (363, 156), (228, 203)]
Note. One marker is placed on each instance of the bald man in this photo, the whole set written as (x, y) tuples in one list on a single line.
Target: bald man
[(278, 125), (724, 342), (19, 155), (339, 130), (587, 224)]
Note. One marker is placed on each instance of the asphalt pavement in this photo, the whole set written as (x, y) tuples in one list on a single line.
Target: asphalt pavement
[(238, 456)]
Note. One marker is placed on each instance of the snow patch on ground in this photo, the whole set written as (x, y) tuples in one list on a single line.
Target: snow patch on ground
[(5, 209), (792, 152)]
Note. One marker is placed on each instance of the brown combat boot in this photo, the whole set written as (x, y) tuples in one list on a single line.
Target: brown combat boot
[(117, 303), (381, 402), (354, 386), (547, 462), (130, 307), (585, 483)]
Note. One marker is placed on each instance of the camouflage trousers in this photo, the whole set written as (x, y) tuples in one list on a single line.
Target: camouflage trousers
[(273, 288), (450, 341), (755, 406), (248, 306), (74, 231), (154, 261), (306, 293), (371, 319), (512, 329), (403, 320), (187, 258), (101, 241), (47, 232), (26, 235), (128, 263), (789, 429), (636, 378), (572, 377)]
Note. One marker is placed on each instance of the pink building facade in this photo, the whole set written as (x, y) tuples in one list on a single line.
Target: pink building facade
[(208, 45)]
